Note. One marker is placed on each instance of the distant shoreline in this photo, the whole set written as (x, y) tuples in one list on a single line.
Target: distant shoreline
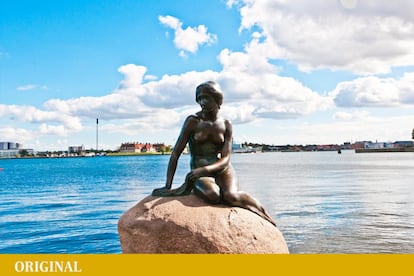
[(87, 156), (137, 153), (384, 150), (126, 154)]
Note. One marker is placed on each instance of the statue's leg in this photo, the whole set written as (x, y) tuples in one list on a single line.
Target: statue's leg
[(227, 181), (207, 189)]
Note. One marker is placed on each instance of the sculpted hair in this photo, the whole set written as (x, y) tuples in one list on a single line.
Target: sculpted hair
[(210, 87)]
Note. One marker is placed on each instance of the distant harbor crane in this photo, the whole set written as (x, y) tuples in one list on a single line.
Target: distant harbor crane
[(97, 122)]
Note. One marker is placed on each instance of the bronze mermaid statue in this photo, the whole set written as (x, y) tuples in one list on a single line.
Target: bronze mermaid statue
[(209, 138)]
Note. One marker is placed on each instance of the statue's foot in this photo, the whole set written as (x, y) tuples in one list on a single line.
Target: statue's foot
[(267, 217), (270, 220), (161, 191)]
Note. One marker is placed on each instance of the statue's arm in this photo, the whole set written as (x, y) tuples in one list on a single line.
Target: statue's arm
[(182, 140)]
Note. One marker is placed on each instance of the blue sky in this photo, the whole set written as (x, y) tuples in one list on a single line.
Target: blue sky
[(297, 72)]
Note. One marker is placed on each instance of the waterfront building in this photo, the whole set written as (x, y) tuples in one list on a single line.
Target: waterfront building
[(4, 145), (10, 146), (9, 149), (161, 147), (347, 146), (360, 144), (137, 147), (240, 148), (133, 147), (375, 145), (9, 153), (76, 149), (403, 144)]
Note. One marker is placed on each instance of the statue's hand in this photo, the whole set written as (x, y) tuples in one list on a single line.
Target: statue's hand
[(194, 175)]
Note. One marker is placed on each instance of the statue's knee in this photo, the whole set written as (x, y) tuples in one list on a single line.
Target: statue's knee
[(208, 190), (212, 197), (230, 198)]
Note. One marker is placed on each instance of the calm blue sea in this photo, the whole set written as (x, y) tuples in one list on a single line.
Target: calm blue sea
[(323, 202)]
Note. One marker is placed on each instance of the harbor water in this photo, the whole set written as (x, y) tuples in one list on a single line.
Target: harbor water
[(323, 202)]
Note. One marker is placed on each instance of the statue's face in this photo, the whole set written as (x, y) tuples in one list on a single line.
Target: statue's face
[(207, 102)]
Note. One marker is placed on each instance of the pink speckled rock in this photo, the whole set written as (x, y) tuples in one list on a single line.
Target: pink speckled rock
[(187, 224)]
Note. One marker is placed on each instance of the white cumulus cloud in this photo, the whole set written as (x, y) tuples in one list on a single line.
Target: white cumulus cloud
[(30, 114), (249, 78), (375, 92), (365, 37), (190, 38), (15, 134)]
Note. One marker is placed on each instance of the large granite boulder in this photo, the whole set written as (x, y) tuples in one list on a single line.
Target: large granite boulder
[(187, 224)]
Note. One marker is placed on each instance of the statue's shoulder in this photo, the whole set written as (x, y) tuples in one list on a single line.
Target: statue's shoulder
[(192, 119), (227, 122), (229, 127)]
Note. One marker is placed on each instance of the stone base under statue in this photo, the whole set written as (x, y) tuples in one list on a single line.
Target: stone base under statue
[(187, 224)]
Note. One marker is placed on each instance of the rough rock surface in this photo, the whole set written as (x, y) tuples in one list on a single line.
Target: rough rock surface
[(186, 224)]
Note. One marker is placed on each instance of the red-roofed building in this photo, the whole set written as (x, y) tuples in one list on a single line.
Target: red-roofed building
[(136, 147)]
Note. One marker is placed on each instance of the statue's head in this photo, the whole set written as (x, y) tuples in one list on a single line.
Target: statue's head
[(211, 88)]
